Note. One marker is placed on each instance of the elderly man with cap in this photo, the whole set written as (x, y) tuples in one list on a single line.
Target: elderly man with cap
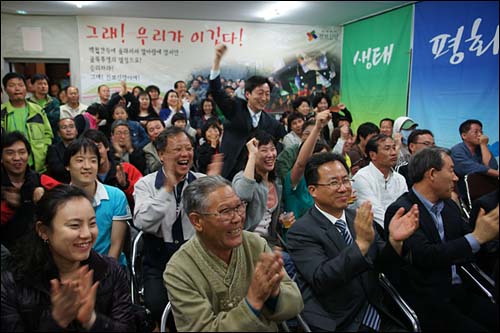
[(124, 150), (403, 126)]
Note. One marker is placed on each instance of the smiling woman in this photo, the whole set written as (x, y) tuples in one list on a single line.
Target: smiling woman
[(57, 276)]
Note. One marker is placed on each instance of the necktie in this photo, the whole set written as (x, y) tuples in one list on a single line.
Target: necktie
[(255, 120), (371, 318)]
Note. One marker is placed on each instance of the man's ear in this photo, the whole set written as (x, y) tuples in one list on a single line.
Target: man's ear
[(196, 221)]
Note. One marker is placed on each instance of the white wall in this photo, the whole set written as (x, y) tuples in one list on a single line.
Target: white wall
[(59, 40)]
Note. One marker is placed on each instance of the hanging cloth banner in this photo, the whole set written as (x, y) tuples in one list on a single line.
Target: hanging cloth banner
[(375, 66), (455, 68)]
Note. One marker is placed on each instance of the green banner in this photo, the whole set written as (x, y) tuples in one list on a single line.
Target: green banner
[(375, 66)]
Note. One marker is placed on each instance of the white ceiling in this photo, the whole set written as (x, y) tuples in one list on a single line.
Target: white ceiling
[(311, 12)]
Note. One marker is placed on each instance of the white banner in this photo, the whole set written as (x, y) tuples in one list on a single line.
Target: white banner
[(159, 51)]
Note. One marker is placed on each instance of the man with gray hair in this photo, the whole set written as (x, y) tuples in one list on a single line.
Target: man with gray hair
[(225, 278), (430, 283)]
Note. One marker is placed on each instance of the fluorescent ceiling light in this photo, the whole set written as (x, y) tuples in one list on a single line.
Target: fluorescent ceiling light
[(21, 12), (80, 4), (279, 8)]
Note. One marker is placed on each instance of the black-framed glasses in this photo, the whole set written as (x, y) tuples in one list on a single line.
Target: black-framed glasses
[(335, 184), (227, 214), (426, 143)]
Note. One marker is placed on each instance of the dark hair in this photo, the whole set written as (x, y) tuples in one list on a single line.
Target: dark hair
[(9, 76), (465, 126), (318, 99), (162, 140), (386, 119), (178, 116), (38, 77), (96, 136), (255, 81), (372, 144), (293, 116), (96, 109), (413, 137), (152, 87), (424, 160), (119, 106), (164, 103), (307, 123), (78, 145), (311, 174), (8, 139), (33, 258), (100, 86), (151, 120), (211, 123), (298, 101), (141, 89), (176, 84), (265, 138), (151, 109), (211, 102), (366, 129)]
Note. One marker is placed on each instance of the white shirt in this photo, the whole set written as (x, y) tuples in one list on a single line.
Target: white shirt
[(291, 139), (69, 112), (332, 218), (370, 184)]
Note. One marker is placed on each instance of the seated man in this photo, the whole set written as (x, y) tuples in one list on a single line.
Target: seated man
[(377, 182), (472, 154), (154, 127), (124, 150), (430, 284), (338, 254), (225, 278)]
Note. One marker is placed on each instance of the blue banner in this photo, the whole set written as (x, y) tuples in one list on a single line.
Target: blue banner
[(454, 74)]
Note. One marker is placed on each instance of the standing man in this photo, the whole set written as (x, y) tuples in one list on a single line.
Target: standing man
[(242, 117), (55, 153), (28, 118), (103, 93), (48, 104), (472, 154), (338, 255), (73, 107), (430, 282), (225, 278)]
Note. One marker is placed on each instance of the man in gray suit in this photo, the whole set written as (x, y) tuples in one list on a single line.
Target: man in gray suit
[(338, 254)]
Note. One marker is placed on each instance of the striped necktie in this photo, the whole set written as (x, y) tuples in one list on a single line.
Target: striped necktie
[(371, 318)]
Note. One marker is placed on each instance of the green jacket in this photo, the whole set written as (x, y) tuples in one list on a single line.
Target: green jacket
[(52, 111), (35, 126)]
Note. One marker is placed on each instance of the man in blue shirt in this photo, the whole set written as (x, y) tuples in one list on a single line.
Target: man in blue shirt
[(472, 154)]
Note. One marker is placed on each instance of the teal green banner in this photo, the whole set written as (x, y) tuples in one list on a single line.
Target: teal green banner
[(375, 66)]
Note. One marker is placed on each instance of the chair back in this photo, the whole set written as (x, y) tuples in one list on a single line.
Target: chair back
[(478, 184)]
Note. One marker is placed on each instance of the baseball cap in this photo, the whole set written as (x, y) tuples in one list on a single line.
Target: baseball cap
[(408, 124)]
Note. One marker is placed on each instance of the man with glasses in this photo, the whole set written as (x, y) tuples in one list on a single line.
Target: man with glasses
[(124, 150), (418, 140), (225, 278), (472, 154), (338, 254), (159, 212)]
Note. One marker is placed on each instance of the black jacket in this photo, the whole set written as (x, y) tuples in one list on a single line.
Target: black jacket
[(55, 163), (26, 304)]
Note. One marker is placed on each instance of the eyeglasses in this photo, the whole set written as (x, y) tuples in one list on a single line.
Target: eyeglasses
[(426, 143), (228, 214), (122, 133), (335, 184), (67, 126)]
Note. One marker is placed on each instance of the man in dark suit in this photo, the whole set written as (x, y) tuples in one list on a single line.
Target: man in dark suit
[(338, 254), (444, 240), (242, 117), (55, 154)]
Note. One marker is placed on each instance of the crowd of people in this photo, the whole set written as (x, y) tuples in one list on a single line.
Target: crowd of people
[(247, 221)]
